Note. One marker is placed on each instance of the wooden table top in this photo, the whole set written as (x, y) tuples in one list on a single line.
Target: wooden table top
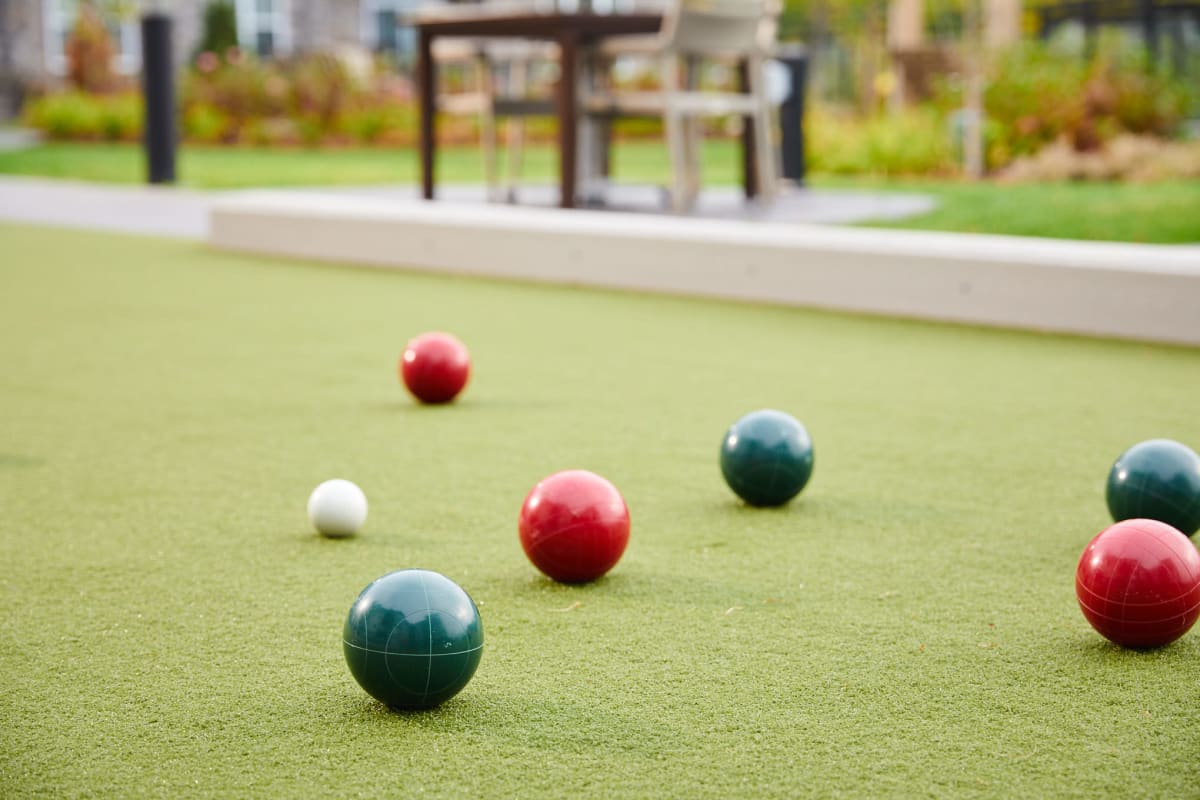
[(537, 26)]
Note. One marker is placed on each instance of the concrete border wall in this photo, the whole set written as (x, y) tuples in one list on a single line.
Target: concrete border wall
[(1146, 292)]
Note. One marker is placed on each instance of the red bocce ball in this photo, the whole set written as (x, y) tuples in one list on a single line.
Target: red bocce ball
[(1138, 583), (574, 526), (435, 367)]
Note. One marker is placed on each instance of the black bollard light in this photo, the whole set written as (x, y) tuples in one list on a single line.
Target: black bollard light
[(158, 91)]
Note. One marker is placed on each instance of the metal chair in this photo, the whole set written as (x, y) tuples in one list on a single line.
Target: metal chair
[(693, 32), (497, 86)]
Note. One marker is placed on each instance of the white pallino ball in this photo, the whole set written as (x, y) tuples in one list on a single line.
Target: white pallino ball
[(337, 508)]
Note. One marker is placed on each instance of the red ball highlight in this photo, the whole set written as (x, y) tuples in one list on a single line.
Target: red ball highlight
[(1138, 583), (435, 367), (574, 526)]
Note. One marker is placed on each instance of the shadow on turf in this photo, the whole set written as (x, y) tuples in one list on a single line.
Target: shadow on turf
[(738, 507), (528, 721), (1098, 650), (736, 511), (374, 539), (569, 597), (413, 407)]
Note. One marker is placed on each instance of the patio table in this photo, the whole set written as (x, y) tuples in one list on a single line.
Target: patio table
[(571, 31)]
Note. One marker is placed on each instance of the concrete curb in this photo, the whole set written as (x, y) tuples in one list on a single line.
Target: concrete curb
[(1145, 292)]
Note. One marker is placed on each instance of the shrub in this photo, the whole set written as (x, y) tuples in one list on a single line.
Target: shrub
[(238, 90), (90, 51), (1036, 96), (1126, 157), (321, 91), (234, 99), (206, 124), (277, 131), (371, 123), (121, 117), (1032, 98), (79, 115), (64, 115), (1138, 102), (252, 100), (909, 143)]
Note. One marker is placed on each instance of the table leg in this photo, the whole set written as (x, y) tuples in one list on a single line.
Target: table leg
[(749, 164), (568, 116), (426, 80), (604, 159)]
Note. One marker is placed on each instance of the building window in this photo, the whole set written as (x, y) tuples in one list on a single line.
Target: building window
[(59, 20), (387, 26), (265, 26)]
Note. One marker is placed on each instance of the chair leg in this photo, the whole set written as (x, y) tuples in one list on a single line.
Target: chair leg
[(692, 138), (674, 128), (604, 156), (764, 145), (674, 125), (518, 86), (516, 152), (487, 126), (693, 135)]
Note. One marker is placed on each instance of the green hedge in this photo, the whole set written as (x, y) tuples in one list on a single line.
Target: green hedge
[(77, 115)]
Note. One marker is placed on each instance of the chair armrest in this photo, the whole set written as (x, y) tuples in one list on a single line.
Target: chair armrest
[(701, 103), (648, 45), (435, 12), (636, 104), (503, 51), (451, 50)]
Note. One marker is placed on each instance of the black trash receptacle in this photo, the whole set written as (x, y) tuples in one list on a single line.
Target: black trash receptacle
[(794, 59)]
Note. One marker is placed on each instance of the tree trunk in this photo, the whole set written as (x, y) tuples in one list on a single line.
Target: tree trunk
[(906, 24), (1001, 23), (973, 164)]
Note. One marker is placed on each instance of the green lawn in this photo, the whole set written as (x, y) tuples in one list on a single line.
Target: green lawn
[(169, 626), (1160, 213), (237, 168)]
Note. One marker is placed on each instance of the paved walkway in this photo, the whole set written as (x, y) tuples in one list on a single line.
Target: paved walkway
[(176, 212), (17, 138), (820, 206), (148, 210)]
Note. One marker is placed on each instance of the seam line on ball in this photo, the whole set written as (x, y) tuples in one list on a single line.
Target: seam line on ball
[(410, 655)]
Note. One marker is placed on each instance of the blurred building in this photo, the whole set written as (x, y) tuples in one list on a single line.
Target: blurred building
[(37, 30), (34, 33)]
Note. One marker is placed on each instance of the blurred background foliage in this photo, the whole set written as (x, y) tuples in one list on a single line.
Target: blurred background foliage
[(1060, 106)]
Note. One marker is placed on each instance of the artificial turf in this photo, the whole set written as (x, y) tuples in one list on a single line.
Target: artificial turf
[(171, 627)]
